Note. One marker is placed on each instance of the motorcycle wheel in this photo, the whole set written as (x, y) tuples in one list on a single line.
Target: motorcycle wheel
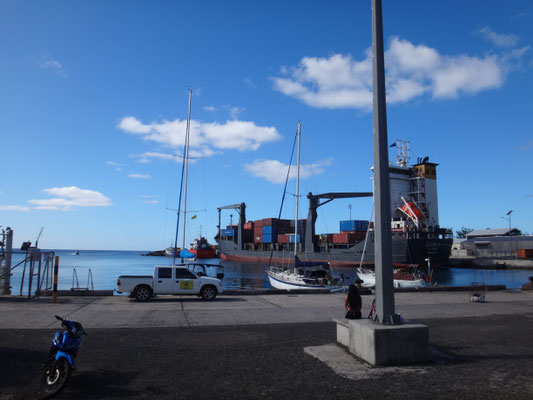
[(55, 376)]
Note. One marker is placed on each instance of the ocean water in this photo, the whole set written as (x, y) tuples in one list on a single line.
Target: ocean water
[(107, 266)]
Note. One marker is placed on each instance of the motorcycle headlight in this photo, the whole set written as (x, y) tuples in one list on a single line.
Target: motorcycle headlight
[(58, 339)]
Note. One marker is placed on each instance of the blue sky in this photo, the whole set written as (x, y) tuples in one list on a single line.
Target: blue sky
[(93, 106)]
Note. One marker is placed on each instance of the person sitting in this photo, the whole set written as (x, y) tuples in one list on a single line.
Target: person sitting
[(353, 303), (529, 285)]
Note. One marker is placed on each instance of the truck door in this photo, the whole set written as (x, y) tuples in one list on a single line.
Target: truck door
[(186, 282), (163, 282)]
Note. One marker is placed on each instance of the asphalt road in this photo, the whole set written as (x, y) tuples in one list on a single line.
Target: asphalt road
[(491, 357)]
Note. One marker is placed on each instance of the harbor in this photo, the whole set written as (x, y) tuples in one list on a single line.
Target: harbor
[(106, 266), (268, 346)]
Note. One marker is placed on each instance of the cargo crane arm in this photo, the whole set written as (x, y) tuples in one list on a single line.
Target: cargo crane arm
[(314, 203), (241, 210)]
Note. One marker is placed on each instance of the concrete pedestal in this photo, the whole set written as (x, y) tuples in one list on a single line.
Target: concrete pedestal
[(377, 344)]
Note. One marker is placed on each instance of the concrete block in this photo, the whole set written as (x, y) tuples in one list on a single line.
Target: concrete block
[(379, 344), (343, 332)]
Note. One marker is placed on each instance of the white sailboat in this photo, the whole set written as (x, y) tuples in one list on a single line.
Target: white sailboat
[(303, 275)]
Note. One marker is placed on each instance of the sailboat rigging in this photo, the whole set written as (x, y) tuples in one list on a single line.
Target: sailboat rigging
[(304, 274), (183, 188)]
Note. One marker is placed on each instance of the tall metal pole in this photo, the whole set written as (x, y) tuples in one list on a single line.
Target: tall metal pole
[(509, 214), (297, 190), (382, 229), (187, 137), (5, 272)]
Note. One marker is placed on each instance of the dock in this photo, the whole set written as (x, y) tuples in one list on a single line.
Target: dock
[(268, 346)]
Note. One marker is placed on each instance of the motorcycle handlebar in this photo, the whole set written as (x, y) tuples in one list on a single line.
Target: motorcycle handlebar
[(59, 318)]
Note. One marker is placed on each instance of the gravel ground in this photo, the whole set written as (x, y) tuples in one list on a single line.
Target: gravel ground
[(482, 358)]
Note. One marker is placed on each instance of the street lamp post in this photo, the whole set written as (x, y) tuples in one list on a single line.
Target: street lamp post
[(509, 233), (350, 208)]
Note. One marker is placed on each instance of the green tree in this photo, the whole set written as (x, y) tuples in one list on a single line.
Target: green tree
[(462, 233)]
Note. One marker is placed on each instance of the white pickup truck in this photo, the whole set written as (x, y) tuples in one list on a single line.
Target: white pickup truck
[(176, 279)]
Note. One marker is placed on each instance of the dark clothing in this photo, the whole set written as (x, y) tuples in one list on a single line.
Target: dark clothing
[(353, 303), (353, 315)]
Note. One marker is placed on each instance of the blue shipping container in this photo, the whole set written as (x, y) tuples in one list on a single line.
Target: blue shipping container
[(353, 225), (298, 238), (269, 238), (270, 230), (227, 232), (347, 226)]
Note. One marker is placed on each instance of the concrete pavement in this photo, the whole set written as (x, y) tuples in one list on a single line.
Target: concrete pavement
[(190, 311)]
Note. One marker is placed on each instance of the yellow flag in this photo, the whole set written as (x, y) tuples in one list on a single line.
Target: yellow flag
[(193, 217)]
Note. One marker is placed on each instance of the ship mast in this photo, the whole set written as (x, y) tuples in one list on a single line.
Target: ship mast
[(297, 190), (186, 173)]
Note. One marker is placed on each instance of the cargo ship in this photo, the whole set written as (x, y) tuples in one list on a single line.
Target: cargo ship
[(417, 237)]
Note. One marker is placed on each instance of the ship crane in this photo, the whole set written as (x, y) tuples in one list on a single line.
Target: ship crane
[(241, 210), (314, 203)]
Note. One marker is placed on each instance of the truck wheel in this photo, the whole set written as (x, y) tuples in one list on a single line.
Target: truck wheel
[(208, 292), (142, 293)]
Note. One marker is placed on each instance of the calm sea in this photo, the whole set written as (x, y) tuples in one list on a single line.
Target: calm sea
[(106, 266)]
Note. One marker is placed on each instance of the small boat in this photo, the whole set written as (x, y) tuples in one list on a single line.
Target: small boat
[(304, 274), (202, 249), (76, 253), (407, 277)]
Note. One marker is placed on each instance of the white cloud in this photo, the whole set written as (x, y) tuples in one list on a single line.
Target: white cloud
[(412, 71), (276, 172), (118, 167), (70, 197), (139, 176), (15, 208), (498, 39), (518, 16), (235, 111), (249, 83), (55, 66), (151, 202), (149, 155), (206, 139), (209, 108)]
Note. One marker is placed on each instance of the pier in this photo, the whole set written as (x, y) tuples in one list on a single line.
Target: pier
[(268, 346)]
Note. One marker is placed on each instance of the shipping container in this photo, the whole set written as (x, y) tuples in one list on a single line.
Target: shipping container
[(524, 253), (258, 223), (248, 236), (258, 238), (284, 226), (283, 238), (343, 238), (258, 230), (270, 238), (298, 239), (249, 225), (227, 232), (270, 221), (270, 230), (353, 225)]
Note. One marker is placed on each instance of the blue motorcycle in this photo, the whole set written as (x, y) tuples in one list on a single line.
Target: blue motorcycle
[(61, 357)]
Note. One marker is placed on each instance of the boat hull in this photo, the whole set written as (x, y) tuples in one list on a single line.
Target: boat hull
[(278, 283), (203, 253), (407, 251)]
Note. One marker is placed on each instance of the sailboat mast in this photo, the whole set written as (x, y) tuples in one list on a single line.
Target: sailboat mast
[(297, 190), (186, 173)]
